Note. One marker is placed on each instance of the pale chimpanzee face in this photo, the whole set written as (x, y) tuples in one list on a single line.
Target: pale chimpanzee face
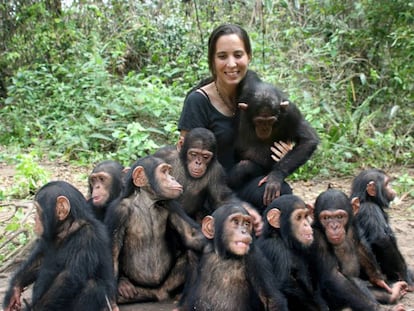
[(301, 226), (334, 223), (38, 227), (390, 193), (101, 188), (238, 229), (198, 161)]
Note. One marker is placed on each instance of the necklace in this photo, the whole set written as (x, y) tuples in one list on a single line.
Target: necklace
[(230, 107)]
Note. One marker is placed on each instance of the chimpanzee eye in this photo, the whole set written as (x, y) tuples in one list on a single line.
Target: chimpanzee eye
[(235, 221)]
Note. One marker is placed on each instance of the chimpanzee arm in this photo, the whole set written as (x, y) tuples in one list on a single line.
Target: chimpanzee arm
[(369, 265), (373, 226), (218, 190), (116, 222), (274, 249), (26, 274), (187, 228), (306, 140), (260, 276), (338, 290)]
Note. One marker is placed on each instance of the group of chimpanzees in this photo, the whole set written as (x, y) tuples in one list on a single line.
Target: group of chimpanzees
[(175, 223)]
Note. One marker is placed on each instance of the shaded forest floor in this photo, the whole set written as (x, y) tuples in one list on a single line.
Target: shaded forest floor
[(401, 216)]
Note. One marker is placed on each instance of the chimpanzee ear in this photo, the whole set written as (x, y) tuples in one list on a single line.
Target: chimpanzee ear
[(311, 209), (207, 227), (273, 217), (125, 171), (180, 143), (371, 189), (355, 205), (62, 207), (284, 105), (138, 177), (242, 106)]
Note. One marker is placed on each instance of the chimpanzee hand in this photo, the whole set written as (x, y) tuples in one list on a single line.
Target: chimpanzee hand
[(114, 307), (399, 290), (280, 149), (15, 304), (382, 284), (126, 289), (257, 219), (398, 307), (272, 191)]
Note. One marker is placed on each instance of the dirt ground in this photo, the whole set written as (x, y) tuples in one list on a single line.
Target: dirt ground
[(401, 216)]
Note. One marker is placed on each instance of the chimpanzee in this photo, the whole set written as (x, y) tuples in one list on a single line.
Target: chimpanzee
[(196, 167), (232, 274), (70, 265), (373, 189), (339, 255), (105, 185), (144, 224), (285, 241), (267, 117)]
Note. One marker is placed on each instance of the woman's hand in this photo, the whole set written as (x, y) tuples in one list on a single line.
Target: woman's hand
[(280, 149)]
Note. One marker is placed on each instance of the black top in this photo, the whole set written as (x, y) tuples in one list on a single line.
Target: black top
[(199, 112)]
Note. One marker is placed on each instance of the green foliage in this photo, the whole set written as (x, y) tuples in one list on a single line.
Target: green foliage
[(404, 184), (15, 232), (99, 81), (29, 176)]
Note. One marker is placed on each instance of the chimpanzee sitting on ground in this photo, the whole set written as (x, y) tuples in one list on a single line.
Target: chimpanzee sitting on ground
[(105, 185), (196, 167), (374, 190), (339, 255), (233, 274), (267, 117), (144, 224), (71, 264), (287, 236)]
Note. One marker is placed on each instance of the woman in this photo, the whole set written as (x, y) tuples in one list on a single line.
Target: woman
[(212, 103)]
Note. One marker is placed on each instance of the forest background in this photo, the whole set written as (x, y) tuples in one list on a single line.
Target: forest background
[(85, 81)]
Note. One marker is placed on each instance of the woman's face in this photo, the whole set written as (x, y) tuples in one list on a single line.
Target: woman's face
[(231, 60)]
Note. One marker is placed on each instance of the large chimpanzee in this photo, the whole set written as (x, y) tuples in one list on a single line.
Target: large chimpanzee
[(145, 224), (339, 255), (71, 264), (105, 185), (196, 167), (287, 236), (233, 274), (373, 189), (268, 117)]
